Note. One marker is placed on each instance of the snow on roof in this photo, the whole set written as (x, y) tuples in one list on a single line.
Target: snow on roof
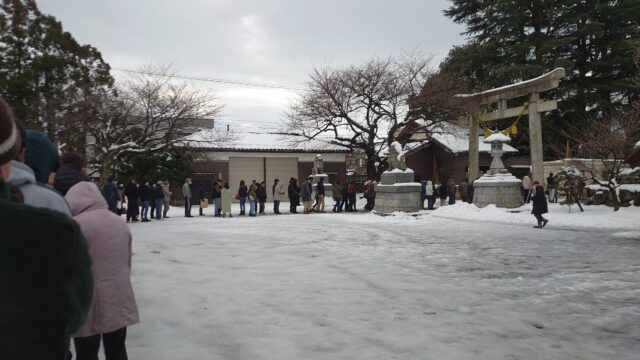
[(497, 137), (257, 141), (456, 139)]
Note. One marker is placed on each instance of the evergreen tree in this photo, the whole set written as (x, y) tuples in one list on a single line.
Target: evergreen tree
[(510, 41), (46, 76)]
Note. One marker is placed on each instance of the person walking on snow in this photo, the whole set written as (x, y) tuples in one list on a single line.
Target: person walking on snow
[(186, 192), (539, 205)]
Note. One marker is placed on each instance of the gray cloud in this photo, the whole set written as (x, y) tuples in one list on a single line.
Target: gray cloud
[(275, 41)]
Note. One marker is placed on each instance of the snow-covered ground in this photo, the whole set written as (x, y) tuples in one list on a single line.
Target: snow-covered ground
[(361, 286)]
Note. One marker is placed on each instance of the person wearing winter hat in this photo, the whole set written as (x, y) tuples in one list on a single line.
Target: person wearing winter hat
[(47, 290), (23, 177), (41, 156)]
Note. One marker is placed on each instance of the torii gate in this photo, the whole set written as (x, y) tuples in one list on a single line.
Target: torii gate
[(531, 88)]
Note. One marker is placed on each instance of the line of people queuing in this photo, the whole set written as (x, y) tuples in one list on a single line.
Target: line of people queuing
[(255, 196), (448, 191), (66, 259)]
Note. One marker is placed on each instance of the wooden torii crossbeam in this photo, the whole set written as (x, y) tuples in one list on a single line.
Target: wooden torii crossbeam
[(530, 88)]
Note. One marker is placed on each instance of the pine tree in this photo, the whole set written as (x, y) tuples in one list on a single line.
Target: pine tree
[(47, 77), (510, 41)]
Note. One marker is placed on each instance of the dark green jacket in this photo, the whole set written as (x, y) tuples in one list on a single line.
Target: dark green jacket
[(45, 281)]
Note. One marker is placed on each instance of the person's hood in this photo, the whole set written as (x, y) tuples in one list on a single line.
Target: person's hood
[(85, 196), (21, 174), (41, 155)]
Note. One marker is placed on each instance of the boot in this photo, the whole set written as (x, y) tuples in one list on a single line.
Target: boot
[(539, 226), (544, 222)]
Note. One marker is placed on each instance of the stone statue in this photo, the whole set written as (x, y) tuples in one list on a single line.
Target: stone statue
[(318, 165), (395, 157)]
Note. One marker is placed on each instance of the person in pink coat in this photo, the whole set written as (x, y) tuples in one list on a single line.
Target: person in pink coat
[(114, 305)]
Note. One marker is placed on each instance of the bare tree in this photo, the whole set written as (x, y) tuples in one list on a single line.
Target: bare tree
[(609, 140), (361, 107), (152, 113)]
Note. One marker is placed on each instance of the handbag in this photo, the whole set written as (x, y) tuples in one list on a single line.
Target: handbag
[(204, 203), (237, 196)]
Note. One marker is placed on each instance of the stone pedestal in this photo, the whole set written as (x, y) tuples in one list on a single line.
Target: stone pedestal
[(398, 191), (503, 190)]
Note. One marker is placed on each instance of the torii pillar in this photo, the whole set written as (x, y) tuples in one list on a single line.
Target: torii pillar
[(531, 89)]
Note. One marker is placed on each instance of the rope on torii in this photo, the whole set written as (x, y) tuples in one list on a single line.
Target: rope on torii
[(511, 129)]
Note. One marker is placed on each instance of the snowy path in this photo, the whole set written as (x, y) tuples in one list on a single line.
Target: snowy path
[(356, 286)]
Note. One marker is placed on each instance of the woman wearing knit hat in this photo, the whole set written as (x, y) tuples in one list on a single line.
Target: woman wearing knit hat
[(42, 302)]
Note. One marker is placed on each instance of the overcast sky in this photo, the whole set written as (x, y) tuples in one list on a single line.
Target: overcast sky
[(267, 41)]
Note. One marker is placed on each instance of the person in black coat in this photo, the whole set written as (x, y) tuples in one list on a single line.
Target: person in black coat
[(73, 169), (145, 200), (262, 196), (133, 195), (540, 207), (294, 195), (443, 193)]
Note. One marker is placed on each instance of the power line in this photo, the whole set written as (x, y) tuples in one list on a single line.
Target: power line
[(216, 80)]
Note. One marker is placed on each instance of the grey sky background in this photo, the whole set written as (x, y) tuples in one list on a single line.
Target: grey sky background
[(271, 41)]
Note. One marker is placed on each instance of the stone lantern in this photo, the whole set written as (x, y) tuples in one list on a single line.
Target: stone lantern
[(497, 186)]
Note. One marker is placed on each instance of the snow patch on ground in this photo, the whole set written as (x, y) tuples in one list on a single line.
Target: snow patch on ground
[(599, 216)]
